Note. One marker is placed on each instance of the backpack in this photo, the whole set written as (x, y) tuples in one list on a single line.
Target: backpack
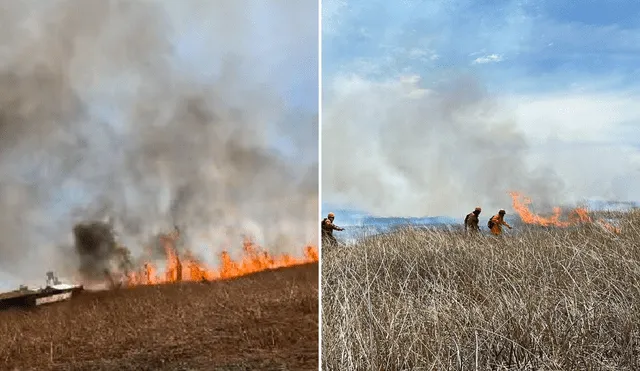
[(490, 223)]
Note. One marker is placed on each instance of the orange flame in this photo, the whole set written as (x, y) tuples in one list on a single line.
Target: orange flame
[(576, 216), (189, 268)]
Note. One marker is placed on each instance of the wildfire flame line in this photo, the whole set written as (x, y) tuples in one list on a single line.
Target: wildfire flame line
[(576, 216), (188, 268)]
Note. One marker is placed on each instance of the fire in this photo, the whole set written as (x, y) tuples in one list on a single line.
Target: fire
[(186, 267), (576, 216)]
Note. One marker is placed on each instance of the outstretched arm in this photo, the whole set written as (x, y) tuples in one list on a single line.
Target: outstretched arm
[(333, 226)]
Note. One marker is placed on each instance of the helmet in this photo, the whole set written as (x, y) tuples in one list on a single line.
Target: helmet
[(502, 212), (331, 215)]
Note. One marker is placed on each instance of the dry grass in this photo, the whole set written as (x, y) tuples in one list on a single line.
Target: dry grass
[(546, 299), (268, 320)]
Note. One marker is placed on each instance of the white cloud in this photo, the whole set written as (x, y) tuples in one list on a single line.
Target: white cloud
[(491, 58), (411, 86), (574, 117), (417, 52), (421, 54)]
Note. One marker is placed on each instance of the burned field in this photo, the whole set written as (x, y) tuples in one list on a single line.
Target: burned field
[(546, 297), (266, 320)]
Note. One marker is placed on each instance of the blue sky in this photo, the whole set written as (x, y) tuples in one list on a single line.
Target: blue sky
[(567, 72), (558, 42)]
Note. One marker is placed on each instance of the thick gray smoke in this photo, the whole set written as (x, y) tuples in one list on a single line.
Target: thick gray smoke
[(102, 116), (397, 149)]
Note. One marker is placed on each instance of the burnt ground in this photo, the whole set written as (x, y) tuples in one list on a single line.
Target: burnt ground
[(267, 320)]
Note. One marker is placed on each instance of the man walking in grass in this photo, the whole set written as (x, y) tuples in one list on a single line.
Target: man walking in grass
[(496, 222), (327, 230), (471, 221)]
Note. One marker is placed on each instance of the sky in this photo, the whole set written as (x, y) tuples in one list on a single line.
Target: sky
[(562, 77)]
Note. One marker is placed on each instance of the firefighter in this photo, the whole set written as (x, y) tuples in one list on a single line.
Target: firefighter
[(471, 221), (496, 222), (327, 230)]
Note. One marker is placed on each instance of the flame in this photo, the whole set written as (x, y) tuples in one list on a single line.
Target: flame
[(186, 267), (576, 216)]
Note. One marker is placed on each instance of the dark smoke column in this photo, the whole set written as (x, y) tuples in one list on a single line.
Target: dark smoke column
[(99, 252)]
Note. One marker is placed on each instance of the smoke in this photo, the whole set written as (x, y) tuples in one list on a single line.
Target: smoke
[(396, 148), (152, 114), (98, 252)]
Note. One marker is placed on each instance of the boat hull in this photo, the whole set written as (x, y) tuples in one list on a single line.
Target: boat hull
[(30, 299)]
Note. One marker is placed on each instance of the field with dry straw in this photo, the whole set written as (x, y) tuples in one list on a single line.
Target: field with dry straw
[(539, 298), (267, 320)]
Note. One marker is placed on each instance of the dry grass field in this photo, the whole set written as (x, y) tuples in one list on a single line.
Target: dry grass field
[(536, 298), (267, 320)]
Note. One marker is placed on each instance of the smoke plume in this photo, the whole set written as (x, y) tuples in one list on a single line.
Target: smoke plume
[(98, 251), (151, 114), (399, 149)]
